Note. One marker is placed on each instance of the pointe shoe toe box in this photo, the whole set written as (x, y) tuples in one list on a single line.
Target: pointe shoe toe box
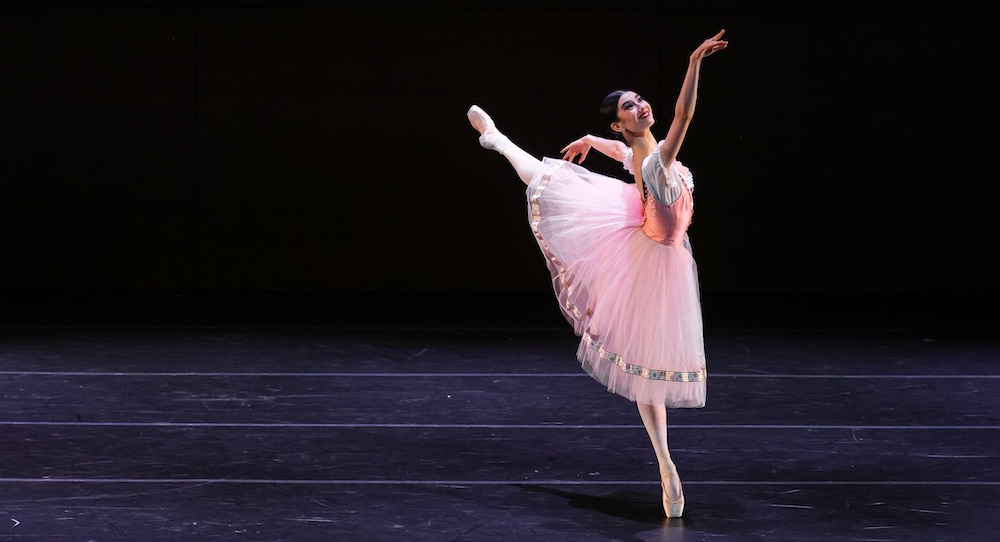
[(480, 120)]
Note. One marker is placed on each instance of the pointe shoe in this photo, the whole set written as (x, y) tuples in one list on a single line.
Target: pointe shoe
[(672, 509), (489, 137), (480, 120)]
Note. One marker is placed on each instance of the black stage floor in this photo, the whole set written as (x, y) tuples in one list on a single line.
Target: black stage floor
[(483, 433)]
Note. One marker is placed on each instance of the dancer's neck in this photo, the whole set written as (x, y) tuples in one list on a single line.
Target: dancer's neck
[(641, 139)]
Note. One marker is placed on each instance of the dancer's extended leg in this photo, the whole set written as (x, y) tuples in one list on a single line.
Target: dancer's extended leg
[(654, 418), (526, 165)]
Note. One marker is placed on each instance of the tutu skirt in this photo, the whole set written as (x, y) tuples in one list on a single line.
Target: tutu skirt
[(633, 302)]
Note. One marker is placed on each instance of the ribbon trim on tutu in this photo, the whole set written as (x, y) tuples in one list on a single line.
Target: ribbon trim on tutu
[(639, 370), (536, 217)]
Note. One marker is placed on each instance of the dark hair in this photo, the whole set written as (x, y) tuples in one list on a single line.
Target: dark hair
[(609, 109)]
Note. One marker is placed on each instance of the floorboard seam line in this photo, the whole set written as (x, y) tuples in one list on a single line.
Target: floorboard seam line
[(488, 426), (486, 375), (299, 375), (489, 482)]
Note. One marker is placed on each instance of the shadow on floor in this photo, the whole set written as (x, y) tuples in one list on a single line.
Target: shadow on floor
[(628, 505)]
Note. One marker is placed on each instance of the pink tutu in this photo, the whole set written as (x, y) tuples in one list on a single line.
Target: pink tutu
[(634, 302)]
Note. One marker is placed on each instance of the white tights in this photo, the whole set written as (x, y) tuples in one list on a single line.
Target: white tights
[(654, 418), (526, 165)]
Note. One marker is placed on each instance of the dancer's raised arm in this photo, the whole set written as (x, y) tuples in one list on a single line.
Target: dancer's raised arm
[(608, 147), (684, 108)]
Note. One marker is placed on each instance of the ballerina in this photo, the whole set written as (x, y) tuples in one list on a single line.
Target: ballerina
[(621, 264)]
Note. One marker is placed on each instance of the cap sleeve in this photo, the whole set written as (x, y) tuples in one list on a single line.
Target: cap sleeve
[(627, 160), (665, 182)]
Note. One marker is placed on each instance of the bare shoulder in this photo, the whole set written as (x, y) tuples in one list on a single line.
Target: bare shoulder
[(640, 150)]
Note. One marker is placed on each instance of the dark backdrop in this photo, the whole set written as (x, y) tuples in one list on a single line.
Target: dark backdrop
[(839, 148)]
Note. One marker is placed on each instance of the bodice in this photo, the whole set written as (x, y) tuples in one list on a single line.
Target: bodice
[(667, 223), (669, 204)]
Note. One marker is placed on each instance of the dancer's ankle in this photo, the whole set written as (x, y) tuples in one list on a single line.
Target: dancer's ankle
[(494, 141)]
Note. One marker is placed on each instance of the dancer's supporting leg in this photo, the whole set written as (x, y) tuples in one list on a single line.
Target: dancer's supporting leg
[(526, 165), (654, 418)]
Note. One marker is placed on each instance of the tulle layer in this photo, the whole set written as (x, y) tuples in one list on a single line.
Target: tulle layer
[(633, 302)]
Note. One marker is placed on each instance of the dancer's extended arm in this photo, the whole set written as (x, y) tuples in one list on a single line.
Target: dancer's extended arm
[(608, 147), (684, 109)]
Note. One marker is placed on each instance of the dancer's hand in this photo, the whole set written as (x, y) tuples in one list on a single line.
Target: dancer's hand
[(580, 148), (709, 46)]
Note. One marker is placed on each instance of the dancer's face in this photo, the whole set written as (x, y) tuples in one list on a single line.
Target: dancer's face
[(634, 113)]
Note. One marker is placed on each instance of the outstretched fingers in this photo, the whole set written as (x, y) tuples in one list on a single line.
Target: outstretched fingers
[(569, 155), (711, 45), (577, 148)]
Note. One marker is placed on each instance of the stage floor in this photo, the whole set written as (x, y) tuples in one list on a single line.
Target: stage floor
[(485, 434)]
